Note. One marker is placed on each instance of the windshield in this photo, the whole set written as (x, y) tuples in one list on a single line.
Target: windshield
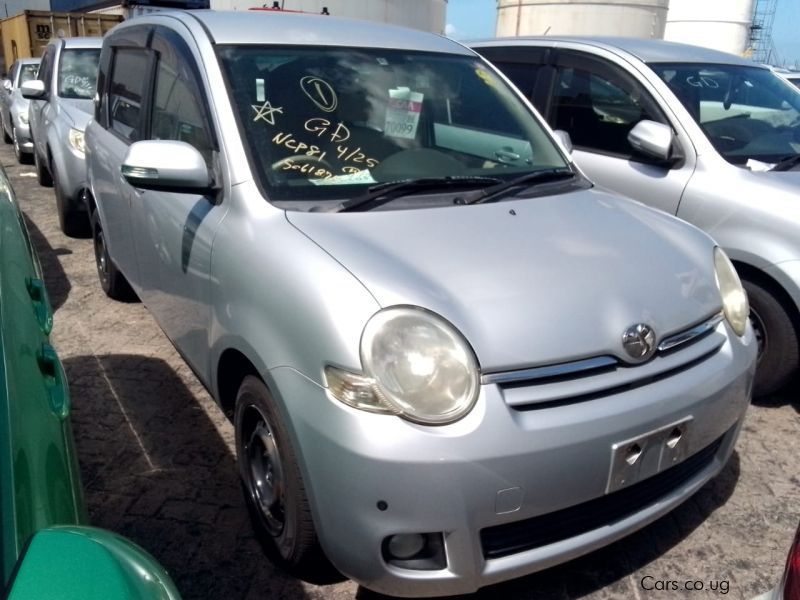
[(27, 73), (326, 123), (77, 73), (748, 113)]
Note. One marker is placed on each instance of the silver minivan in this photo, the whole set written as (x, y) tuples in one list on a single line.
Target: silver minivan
[(449, 360), (60, 107), (14, 108), (704, 135)]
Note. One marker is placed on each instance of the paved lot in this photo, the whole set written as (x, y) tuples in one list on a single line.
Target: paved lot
[(157, 462)]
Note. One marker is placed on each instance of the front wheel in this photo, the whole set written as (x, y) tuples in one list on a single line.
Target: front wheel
[(778, 356), (42, 174), (273, 487), (73, 223), (112, 280)]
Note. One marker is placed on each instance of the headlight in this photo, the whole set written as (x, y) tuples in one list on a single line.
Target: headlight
[(416, 365), (76, 140), (734, 298), (23, 118)]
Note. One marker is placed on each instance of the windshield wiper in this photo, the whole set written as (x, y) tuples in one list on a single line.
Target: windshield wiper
[(787, 163), (382, 193), (497, 192)]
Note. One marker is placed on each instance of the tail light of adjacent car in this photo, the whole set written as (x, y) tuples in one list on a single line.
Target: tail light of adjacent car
[(791, 578)]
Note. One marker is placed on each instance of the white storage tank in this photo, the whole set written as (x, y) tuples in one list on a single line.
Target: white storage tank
[(632, 18), (719, 24), (428, 15)]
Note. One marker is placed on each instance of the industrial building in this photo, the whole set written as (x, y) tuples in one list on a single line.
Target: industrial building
[(740, 27)]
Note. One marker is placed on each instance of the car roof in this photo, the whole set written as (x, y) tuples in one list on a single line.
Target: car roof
[(649, 51), (286, 28), (83, 42)]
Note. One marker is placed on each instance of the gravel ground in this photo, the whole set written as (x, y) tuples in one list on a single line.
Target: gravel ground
[(158, 465)]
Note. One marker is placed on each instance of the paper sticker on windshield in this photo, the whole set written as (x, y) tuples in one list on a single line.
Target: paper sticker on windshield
[(485, 76), (260, 93), (402, 114)]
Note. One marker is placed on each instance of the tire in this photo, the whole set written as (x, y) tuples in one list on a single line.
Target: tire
[(22, 157), (42, 174), (271, 481), (73, 223), (778, 354), (111, 278), (6, 138)]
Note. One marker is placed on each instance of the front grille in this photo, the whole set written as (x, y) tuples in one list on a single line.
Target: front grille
[(595, 377), (510, 538)]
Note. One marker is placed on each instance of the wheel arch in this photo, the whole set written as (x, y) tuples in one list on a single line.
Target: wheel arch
[(772, 285)]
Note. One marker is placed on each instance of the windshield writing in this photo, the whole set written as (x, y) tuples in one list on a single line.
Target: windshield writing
[(327, 123), (748, 113)]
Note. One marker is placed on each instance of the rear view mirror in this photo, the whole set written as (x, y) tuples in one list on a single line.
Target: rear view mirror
[(33, 90), (166, 165), (652, 139), (7, 85), (87, 563)]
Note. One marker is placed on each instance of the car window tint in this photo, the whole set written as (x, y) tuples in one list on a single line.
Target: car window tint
[(46, 67), (77, 73), (178, 112), (521, 75), (598, 105), (128, 76)]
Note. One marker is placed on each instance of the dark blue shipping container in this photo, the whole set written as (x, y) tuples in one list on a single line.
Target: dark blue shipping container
[(86, 5)]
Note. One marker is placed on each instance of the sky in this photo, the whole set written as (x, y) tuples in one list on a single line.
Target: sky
[(476, 19)]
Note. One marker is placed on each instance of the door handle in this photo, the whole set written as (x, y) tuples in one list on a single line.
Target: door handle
[(41, 303), (55, 381), (506, 155)]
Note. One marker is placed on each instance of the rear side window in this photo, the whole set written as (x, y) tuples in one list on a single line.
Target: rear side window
[(128, 76)]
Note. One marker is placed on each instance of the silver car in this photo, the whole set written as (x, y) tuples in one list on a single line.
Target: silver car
[(704, 135), (14, 108), (61, 106), (448, 359)]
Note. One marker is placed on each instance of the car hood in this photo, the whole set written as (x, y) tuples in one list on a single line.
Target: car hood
[(77, 112), (530, 281)]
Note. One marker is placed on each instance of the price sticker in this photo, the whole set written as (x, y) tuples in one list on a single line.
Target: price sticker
[(402, 114)]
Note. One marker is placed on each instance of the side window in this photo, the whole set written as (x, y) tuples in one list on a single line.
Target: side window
[(522, 76), (598, 104), (46, 67), (178, 112), (129, 71)]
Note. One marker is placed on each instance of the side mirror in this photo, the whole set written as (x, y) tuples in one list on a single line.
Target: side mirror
[(33, 89), (7, 85), (166, 165), (652, 139), (564, 139), (88, 563)]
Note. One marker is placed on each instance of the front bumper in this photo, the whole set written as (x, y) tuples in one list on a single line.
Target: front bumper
[(373, 476)]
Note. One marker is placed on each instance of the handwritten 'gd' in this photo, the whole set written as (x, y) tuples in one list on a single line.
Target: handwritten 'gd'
[(324, 128)]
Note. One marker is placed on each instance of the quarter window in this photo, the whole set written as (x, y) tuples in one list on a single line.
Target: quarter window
[(128, 76)]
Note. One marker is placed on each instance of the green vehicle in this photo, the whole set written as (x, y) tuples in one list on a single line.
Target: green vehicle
[(48, 550)]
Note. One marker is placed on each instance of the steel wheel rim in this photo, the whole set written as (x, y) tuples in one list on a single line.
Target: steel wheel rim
[(266, 478)]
